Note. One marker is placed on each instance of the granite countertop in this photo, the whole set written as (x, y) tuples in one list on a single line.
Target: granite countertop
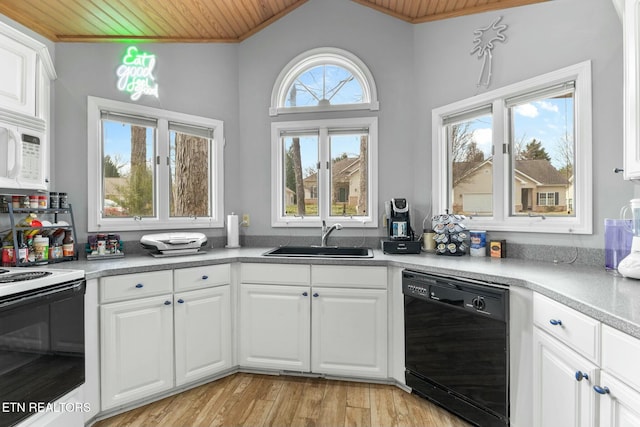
[(603, 295)]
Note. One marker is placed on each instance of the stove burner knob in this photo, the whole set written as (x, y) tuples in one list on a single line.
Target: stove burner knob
[(478, 303)]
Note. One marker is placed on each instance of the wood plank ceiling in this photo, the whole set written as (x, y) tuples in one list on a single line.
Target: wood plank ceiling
[(192, 21)]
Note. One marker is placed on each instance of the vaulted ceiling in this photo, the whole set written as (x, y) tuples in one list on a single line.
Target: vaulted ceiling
[(196, 21)]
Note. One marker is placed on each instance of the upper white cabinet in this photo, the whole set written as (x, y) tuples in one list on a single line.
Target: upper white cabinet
[(630, 25), (25, 72), (17, 76)]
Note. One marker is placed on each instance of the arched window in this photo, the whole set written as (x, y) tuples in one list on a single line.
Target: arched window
[(324, 79)]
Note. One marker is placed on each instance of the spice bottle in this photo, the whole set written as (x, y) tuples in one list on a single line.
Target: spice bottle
[(54, 201), (63, 201)]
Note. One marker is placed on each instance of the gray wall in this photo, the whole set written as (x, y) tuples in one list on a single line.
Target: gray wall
[(416, 68), (199, 79), (540, 38), (382, 42)]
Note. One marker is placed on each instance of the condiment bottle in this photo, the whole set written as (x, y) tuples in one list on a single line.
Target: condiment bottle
[(67, 244), (23, 249)]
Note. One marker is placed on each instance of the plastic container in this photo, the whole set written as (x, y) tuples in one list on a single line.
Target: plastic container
[(478, 243), (617, 241), (33, 201), (41, 248)]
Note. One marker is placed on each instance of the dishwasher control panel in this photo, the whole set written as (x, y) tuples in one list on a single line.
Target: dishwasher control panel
[(485, 300)]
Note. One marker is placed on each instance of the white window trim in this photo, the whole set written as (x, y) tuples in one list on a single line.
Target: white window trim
[(161, 220), (319, 56), (277, 180), (582, 222)]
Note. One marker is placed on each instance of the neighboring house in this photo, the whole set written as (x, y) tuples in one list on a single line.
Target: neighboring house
[(113, 187), (345, 182), (290, 196), (539, 188)]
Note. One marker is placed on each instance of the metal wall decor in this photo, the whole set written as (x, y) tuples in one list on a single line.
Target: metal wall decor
[(483, 41)]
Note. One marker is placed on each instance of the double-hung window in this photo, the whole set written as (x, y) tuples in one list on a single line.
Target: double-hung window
[(325, 170), (152, 169), (518, 158)]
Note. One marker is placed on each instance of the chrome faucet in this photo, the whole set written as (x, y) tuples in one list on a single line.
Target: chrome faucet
[(328, 230)]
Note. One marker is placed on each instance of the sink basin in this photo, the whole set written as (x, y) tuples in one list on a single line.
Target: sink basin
[(321, 252)]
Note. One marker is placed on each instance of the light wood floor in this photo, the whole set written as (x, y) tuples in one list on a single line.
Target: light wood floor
[(263, 400)]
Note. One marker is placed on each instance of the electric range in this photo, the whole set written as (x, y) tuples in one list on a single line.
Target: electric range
[(15, 280)]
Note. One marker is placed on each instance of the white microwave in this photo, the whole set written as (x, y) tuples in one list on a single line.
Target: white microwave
[(22, 154)]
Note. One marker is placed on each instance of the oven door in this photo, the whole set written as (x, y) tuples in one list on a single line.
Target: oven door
[(41, 348)]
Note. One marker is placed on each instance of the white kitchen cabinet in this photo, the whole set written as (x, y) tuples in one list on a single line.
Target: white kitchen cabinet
[(153, 339), (565, 365), (136, 341), (17, 76), (620, 405), (274, 327), (631, 25), (202, 333), (25, 75), (324, 319), (620, 379), (563, 380), (349, 332), (567, 345)]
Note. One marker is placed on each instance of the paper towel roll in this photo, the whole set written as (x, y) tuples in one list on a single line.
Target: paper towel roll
[(233, 240)]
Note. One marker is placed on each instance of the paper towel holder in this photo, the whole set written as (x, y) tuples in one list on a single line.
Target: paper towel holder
[(233, 239)]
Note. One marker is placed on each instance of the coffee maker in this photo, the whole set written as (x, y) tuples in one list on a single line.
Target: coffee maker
[(400, 234), (399, 222)]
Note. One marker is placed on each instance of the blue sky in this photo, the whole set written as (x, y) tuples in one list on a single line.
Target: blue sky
[(545, 120)]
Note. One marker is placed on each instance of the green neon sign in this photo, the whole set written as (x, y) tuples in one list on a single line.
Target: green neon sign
[(135, 74)]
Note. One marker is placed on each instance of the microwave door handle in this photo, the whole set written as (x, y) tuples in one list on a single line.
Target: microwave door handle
[(17, 145)]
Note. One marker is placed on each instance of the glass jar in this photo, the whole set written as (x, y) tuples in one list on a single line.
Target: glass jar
[(34, 201), (43, 201), (63, 201), (54, 201)]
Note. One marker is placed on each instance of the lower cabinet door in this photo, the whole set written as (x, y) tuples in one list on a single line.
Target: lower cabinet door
[(274, 327), (620, 404), (136, 342), (349, 332), (202, 333), (562, 385)]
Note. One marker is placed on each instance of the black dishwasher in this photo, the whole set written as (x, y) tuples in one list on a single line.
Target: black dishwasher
[(457, 345)]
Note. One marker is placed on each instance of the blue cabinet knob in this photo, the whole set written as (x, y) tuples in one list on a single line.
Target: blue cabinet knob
[(167, 303), (601, 390), (556, 322), (205, 277), (316, 295), (304, 294), (580, 375), (139, 285), (181, 301)]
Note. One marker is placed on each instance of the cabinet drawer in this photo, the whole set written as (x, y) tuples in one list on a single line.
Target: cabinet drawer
[(137, 285), (350, 276), (276, 274), (580, 332), (201, 277), (620, 355)]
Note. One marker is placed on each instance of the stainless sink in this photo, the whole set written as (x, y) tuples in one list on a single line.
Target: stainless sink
[(321, 252)]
